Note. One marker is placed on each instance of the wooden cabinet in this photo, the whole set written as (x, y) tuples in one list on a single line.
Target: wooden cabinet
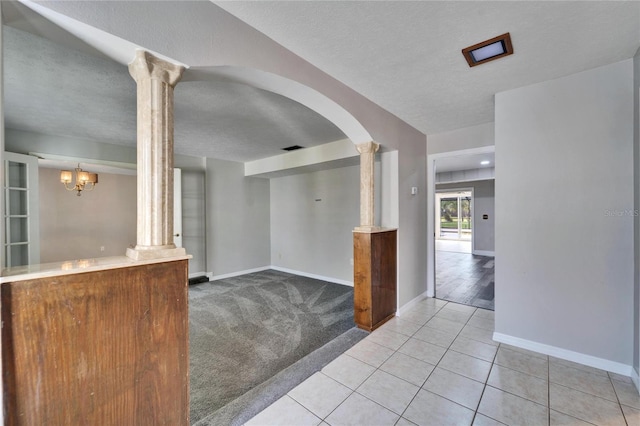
[(108, 347), (374, 277)]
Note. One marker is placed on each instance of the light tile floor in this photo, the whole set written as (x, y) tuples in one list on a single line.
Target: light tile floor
[(438, 365)]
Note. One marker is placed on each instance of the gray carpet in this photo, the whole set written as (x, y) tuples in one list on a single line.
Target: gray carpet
[(245, 330)]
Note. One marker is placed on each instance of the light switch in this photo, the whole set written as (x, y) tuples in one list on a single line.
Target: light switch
[(414, 190)]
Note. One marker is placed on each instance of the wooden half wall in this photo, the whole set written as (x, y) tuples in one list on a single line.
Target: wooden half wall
[(107, 347)]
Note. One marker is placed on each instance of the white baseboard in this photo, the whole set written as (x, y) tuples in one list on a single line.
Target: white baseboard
[(199, 274), (410, 304), (235, 274), (317, 277), (580, 358), (484, 253)]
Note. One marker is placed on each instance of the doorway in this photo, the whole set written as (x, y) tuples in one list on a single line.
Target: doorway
[(454, 220), (461, 226)]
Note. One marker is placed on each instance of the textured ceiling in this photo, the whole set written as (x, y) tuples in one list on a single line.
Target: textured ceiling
[(405, 56), (53, 89)]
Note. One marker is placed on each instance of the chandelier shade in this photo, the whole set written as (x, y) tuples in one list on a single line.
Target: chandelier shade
[(85, 181)]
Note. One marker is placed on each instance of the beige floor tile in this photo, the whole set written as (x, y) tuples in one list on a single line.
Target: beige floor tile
[(358, 410), (419, 318), (559, 419), (348, 371), (423, 351), (487, 324), (522, 362), (442, 303), (474, 348), (620, 377), (524, 351), (434, 336), (479, 334), (627, 394), (423, 307), (405, 422), (520, 384), (389, 391), (445, 325), (466, 365), (452, 315), (631, 415), (407, 368), (482, 420), (399, 325), (585, 407), (583, 367), (388, 339), (284, 412), (485, 313), (320, 394), (429, 409), (582, 380), (461, 308), (455, 387), (511, 409), (369, 352)]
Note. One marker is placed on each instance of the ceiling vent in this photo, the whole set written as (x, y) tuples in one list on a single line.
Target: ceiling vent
[(292, 148), (488, 50)]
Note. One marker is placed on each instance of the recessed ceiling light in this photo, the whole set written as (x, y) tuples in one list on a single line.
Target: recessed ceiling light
[(292, 148), (485, 162), (488, 50)]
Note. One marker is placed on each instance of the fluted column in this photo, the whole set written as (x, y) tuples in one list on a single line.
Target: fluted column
[(367, 160), (155, 80)]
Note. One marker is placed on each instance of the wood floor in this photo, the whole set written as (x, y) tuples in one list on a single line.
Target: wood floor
[(465, 278)]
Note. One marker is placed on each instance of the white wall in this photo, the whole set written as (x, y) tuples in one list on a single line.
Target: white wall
[(237, 219), (73, 227), (311, 236), (564, 203), (636, 224), (483, 203), (461, 139), (412, 238)]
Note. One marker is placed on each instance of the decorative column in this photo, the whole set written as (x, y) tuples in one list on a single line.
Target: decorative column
[(374, 254), (367, 207), (155, 80)]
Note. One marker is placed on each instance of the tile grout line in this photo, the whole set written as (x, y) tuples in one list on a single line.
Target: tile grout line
[(485, 388), (618, 399), (436, 365)]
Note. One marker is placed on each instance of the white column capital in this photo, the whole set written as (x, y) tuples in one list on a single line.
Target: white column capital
[(368, 147), (147, 66)]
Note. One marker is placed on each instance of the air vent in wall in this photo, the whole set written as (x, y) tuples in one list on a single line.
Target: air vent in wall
[(292, 148)]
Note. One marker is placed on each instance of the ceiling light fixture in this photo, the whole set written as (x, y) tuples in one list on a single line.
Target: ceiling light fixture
[(85, 181), (485, 162), (488, 50)]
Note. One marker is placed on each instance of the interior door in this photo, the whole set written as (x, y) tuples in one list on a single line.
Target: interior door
[(21, 245), (177, 207)]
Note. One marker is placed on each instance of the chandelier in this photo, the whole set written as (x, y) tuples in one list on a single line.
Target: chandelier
[(85, 181)]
